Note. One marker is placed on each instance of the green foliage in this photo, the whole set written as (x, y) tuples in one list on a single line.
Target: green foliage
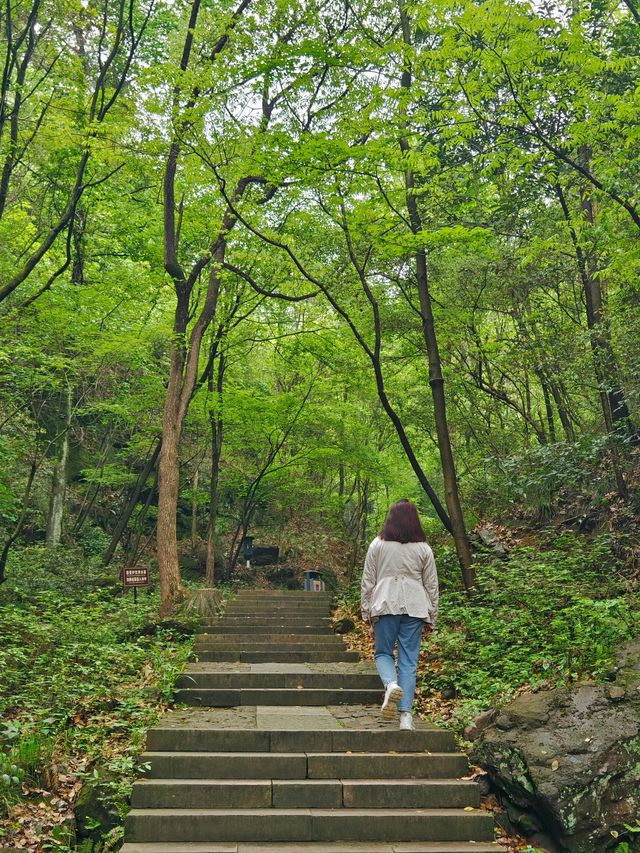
[(78, 675), (543, 616)]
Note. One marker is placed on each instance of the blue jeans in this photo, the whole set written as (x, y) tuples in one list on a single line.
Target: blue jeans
[(407, 630)]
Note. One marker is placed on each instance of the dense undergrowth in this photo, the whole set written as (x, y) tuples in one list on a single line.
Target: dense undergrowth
[(542, 616), (80, 684)]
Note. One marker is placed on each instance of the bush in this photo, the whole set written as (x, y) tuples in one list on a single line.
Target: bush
[(544, 616), (80, 680)]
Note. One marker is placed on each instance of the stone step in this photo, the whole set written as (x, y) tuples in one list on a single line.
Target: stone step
[(281, 601), (291, 625), (221, 626), (309, 793), (320, 847), (182, 739), (292, 765), (285, 612), (278, 656), (192, 679), (307, 824), (322, 608), (284, 594), (265, 696), (270, 619), (258, 640)]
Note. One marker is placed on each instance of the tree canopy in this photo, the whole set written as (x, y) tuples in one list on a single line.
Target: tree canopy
[(274, 261)]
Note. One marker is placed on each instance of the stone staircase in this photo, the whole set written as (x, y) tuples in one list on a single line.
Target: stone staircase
[(285, 750)]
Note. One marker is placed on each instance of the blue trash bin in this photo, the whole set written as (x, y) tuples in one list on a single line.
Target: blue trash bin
[(313, 582)]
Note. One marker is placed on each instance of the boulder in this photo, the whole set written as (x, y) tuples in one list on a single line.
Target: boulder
[(94, 813), (265, 555), (568, 760)]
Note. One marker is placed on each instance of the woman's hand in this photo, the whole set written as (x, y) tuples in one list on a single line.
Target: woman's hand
[(427, 629)]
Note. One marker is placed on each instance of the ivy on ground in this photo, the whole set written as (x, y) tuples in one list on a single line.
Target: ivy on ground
[(82, 678)]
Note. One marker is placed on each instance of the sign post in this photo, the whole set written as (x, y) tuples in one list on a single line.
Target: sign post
[(134, 576)]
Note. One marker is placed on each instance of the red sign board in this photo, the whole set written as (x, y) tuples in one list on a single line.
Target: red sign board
[(135, 576)]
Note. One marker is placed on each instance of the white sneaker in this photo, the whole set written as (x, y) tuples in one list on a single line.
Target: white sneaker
[(392, 695), (406, 721)]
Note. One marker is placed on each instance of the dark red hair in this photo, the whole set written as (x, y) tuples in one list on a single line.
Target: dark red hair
[(402, 524)]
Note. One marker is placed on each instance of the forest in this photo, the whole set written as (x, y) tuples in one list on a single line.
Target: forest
[(266, 267)]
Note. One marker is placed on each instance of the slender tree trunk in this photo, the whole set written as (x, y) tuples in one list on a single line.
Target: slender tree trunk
[(59, 482), (563, 414), (217, 435), (194, 508), (612, 400), (185, 349), (168, 491), (131, 504), (547, 405), (4, 554), (436, 380), (133, 551)]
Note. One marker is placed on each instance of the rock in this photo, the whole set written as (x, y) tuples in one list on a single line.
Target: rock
[(489, 539), (542, 841), (285, 576), (93, 812), (166, 625), (570, 758), (265, 555), (526, 821), (343, 626), (480, 724), (504, 722)]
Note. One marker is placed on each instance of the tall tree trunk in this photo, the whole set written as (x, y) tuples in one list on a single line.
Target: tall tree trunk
[(436, 380), (548, 408), (59, 481), (563, 414), (6, 548), (185, 349), (194, 508), (615, 411), (169, 489), (130, 505), (217, 435), (139, 531)]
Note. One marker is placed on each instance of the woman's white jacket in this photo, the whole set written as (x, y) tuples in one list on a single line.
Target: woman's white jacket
[(400, 578)]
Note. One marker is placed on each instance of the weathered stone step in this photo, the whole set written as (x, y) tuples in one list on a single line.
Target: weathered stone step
[(307, 824), (278, 609), (279, 604), (276, 696), (278, 640), (291, 625), (288, 601), (290, 765), (319, 847), (181, 739), (285, 594), (193, 678), (277, 656), (309, 793), (221, 626), (268, 619), (284, 610)]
